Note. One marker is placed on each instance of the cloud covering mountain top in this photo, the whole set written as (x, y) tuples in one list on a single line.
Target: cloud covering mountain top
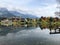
[(4, 12), (35, 7)]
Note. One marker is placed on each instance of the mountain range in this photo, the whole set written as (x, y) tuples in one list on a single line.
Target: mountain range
[(4, 12)]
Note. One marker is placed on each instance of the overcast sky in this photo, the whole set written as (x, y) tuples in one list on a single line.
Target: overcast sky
[(37, 7)]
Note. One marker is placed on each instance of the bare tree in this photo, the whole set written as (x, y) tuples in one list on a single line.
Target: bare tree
[(57, 13)]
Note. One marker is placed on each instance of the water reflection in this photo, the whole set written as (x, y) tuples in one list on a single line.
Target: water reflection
[(28, 35), (53, 29), (4, 30)]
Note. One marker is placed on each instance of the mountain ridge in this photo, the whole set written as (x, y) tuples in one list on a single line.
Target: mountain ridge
[(4, 12)]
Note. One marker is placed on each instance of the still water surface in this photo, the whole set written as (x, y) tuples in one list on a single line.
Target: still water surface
[(27, 36)]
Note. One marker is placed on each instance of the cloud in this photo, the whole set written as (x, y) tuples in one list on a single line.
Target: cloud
[(58, 1), (43, 11), (47, 11), (35, 7)]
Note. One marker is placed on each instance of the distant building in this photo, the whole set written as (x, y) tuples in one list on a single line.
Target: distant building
[(6, 22), (22, 21)]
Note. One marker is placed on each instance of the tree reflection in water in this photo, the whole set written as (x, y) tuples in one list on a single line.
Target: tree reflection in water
[(53, 29), (4, 30)]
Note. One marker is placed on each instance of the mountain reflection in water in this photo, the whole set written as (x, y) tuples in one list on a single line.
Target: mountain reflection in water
[(4, 30), (27, 36)]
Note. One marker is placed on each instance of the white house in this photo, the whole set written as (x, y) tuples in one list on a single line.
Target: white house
[(6, 22)]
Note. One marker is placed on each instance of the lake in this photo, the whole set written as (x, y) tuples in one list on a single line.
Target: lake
[(27, 36)]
